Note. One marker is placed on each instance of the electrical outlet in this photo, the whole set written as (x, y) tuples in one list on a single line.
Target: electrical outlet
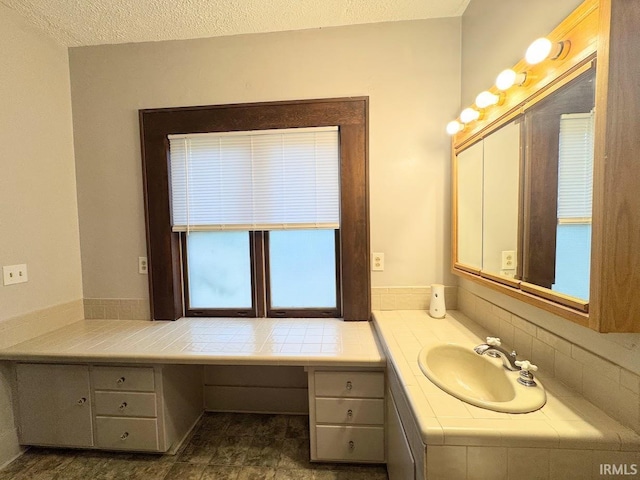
[(508, 260), (13, 274), (377, 262), (143, 266)]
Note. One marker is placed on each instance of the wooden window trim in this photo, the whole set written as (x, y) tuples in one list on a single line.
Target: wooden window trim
[(164, 246)]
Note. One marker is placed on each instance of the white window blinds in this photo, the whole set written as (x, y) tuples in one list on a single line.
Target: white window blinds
[(575, 168), (256, 180)]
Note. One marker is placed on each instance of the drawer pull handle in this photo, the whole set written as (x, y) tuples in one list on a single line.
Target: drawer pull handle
[(123, 405), (351, 445), (120, 381), (349, 385), (124, 436), (82, 401), (349, 413)]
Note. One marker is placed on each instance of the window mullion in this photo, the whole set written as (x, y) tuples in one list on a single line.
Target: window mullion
[(260, 273)]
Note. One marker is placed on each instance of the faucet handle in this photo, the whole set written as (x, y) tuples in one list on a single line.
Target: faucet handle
[(526, 365), (493, 341)]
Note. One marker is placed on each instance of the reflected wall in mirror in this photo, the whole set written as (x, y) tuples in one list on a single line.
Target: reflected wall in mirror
[(501, 200), (558, 185), (469, 206)]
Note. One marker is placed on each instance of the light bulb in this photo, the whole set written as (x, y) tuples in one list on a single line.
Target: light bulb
[(469, 115), (508, 78), (486, 99), (538, 51), (454, 127)]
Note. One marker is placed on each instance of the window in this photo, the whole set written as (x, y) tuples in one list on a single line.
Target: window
[(575, 194), (278, 187), (268, 272)]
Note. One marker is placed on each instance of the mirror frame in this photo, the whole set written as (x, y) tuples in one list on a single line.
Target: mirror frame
[(580, 29)]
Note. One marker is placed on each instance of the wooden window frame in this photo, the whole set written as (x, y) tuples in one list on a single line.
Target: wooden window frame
[(164, 247)]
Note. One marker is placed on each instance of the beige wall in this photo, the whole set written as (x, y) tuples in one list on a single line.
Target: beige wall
[(38, 208), (38, 211), (495, 35), (410, 71)]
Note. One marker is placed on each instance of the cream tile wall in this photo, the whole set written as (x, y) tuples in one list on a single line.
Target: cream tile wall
[(385, 298), (116, 309), (505, 463), (23, 327), (606, 384), (409, 298)]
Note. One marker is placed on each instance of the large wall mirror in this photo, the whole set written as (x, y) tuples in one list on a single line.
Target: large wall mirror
[(546, 206), (524, 196)]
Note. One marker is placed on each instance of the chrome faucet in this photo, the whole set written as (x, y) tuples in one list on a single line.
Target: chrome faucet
[(493, 349)]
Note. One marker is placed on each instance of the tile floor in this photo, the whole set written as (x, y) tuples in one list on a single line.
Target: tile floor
[(223, 446)]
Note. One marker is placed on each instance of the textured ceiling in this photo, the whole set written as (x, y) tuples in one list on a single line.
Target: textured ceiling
[(96, 22)]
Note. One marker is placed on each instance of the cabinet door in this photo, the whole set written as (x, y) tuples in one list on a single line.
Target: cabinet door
[(400, 464), (54, 405)]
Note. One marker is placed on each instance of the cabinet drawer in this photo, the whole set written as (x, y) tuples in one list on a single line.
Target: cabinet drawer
[(364, 444), (139, 379), (125, 404), (126, 433), (350, 410), (349, 384)]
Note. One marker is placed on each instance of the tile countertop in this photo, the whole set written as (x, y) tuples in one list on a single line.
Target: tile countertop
[(567, 420), (298, 341)]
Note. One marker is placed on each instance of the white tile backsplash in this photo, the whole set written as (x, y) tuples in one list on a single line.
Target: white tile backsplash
[(116, 309), (409, 298)]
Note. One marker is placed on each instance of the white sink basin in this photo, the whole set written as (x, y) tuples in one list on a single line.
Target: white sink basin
[(478, 379)]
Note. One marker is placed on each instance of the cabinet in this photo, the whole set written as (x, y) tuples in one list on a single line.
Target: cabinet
[(400, 463), (125, 405), (114, 407), (346, 415), (54, 405)]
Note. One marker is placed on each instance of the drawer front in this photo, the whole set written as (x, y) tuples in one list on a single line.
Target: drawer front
[(127, 433), (138, 379), (349, 384), (350, 410), (125, 404), (362, 444)]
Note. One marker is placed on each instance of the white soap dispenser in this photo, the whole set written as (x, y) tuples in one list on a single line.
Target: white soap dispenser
[(437, 308)]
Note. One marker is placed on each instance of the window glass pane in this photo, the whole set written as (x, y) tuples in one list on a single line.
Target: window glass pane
[(573, 260), (219, 266), (302, 266)]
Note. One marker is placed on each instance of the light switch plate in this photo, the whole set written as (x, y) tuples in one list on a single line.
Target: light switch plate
[(12, 274)]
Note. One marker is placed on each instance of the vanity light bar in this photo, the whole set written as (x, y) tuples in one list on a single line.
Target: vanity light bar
[(538, 51)]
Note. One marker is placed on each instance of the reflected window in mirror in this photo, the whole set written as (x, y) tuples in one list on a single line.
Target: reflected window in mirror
[(556, 238), (575, 195)]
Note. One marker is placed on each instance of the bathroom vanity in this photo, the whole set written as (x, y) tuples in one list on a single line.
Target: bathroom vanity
[(138, 385), (433, 435)]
